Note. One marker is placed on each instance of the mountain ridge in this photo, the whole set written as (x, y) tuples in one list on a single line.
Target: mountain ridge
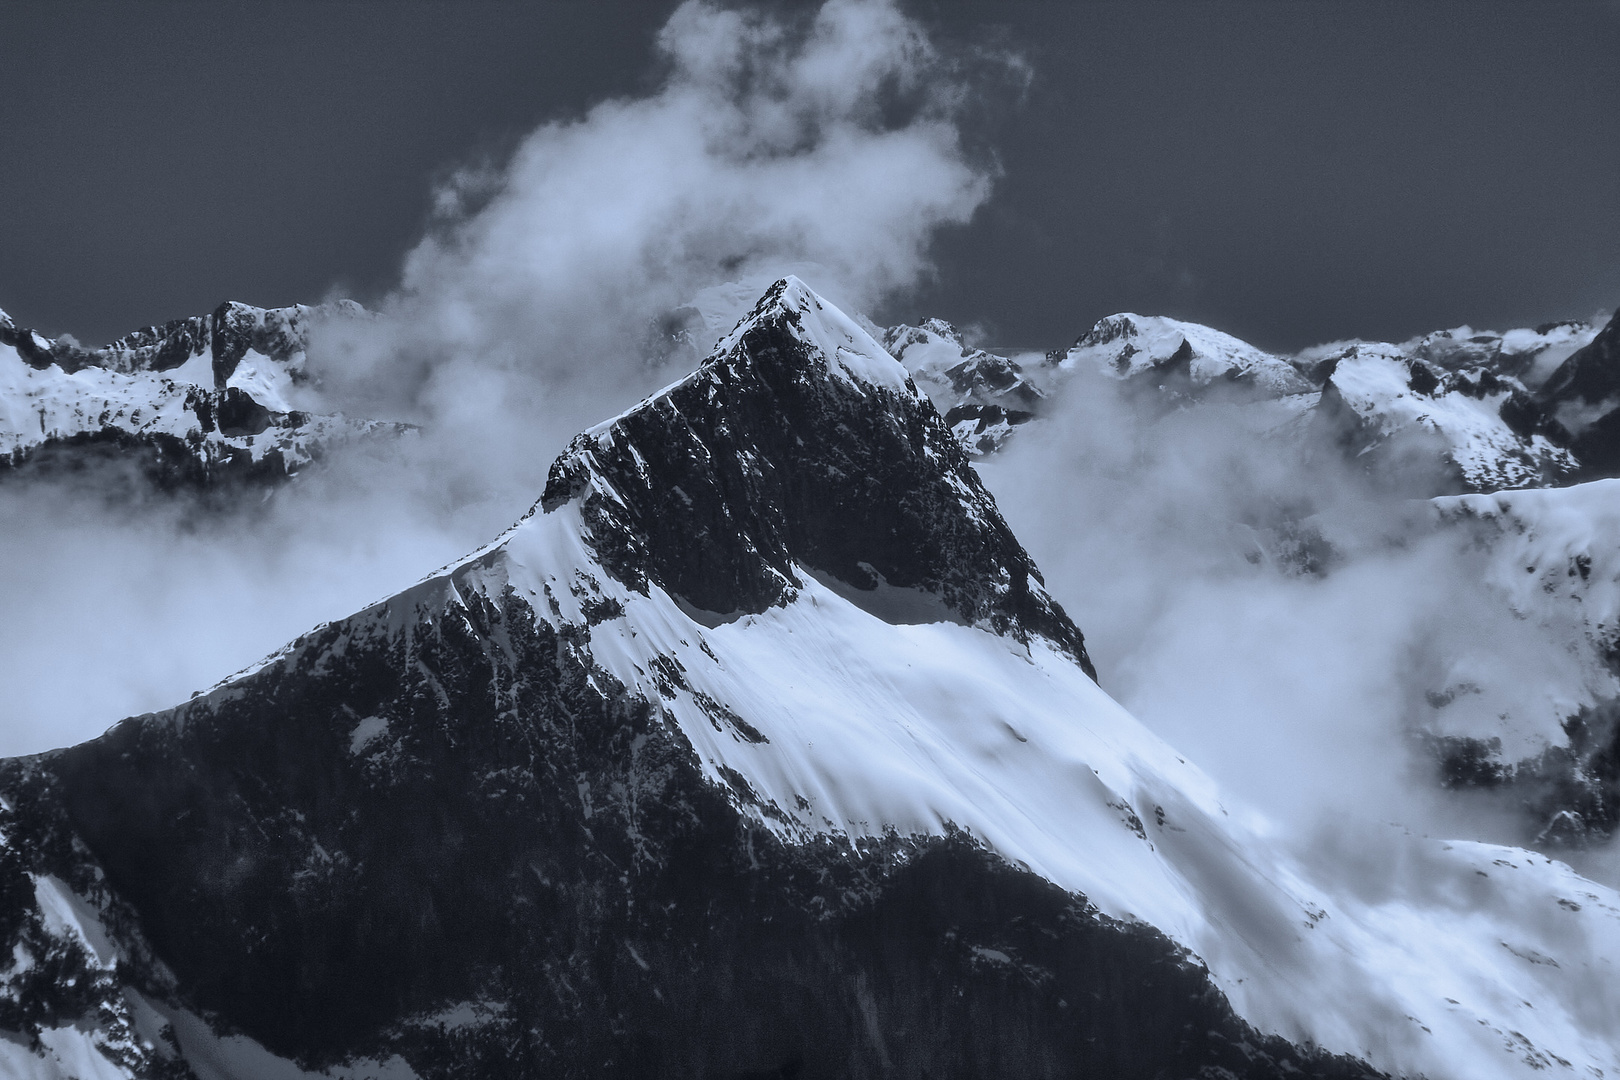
[(505, 791), (614, 834), (935, 524), (196, 403)]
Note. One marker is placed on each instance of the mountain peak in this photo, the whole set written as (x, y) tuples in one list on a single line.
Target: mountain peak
[(848, 350), (800, 446), (1127, 345)]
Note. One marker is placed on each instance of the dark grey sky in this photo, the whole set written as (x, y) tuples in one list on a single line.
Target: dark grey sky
[(1289, 172)]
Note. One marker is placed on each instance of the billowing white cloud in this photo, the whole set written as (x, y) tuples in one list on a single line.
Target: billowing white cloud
[(825, 146), (1274, 612), (543, 299)]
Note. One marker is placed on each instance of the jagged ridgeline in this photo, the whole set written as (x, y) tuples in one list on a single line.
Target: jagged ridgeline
[(532, 817), (1449, 412), (757, 749), (191, 405)]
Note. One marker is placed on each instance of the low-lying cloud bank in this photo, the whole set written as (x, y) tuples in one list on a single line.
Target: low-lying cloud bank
[(1283, 617)]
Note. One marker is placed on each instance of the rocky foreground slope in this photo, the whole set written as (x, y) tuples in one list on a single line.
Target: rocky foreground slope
[(756, 749)]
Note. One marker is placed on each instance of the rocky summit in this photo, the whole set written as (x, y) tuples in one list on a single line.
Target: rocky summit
[(756, 749), (456, 834)]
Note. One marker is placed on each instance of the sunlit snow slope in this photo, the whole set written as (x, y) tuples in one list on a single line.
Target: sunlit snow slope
[(856, 652), (1460, 960)]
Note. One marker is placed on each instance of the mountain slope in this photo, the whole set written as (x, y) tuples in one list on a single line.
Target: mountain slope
[(1583, 394), (982, 395), (192, 403), (755, 749), (1471, 429), (1552, 742)]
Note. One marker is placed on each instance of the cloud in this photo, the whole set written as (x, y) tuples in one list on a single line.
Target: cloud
[(1277, 614), (825, 145), (550, 292), (118, 604)]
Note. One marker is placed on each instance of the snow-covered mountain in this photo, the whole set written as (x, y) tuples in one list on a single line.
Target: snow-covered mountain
[(1475, 429), (1552, 742), (1180, 357), (1477, 411), (1455, 411), (1527, 412), (1490, 403), (983, 395), (193, 402), (757, 748)]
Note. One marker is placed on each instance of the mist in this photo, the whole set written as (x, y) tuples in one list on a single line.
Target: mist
[(550, 291), (607, 256), (1283, 617), (120, 601), (1278, 616)]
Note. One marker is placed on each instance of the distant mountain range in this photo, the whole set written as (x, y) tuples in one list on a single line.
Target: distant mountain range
[(1528, 417), (212, 398), (194, 403), (1525, 408)]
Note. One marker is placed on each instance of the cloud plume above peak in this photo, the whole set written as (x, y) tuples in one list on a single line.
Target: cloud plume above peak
[(549, 292), (825, 145)]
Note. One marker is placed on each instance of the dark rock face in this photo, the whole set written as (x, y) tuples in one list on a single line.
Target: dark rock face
[(238, 414), (981, 426), (1590, 375), (155, 348), (235, 328), (155, 462), (444, 805), (1569, 795), (1598, 447), (520, 838), (762, 459), (1589, 382)]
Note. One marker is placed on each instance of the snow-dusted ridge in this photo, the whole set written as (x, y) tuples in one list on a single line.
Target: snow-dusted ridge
[(983, 396), (783, 570), (1495, 411), (824, 719), (214, 396), (1382, 396), (1129, 345)]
